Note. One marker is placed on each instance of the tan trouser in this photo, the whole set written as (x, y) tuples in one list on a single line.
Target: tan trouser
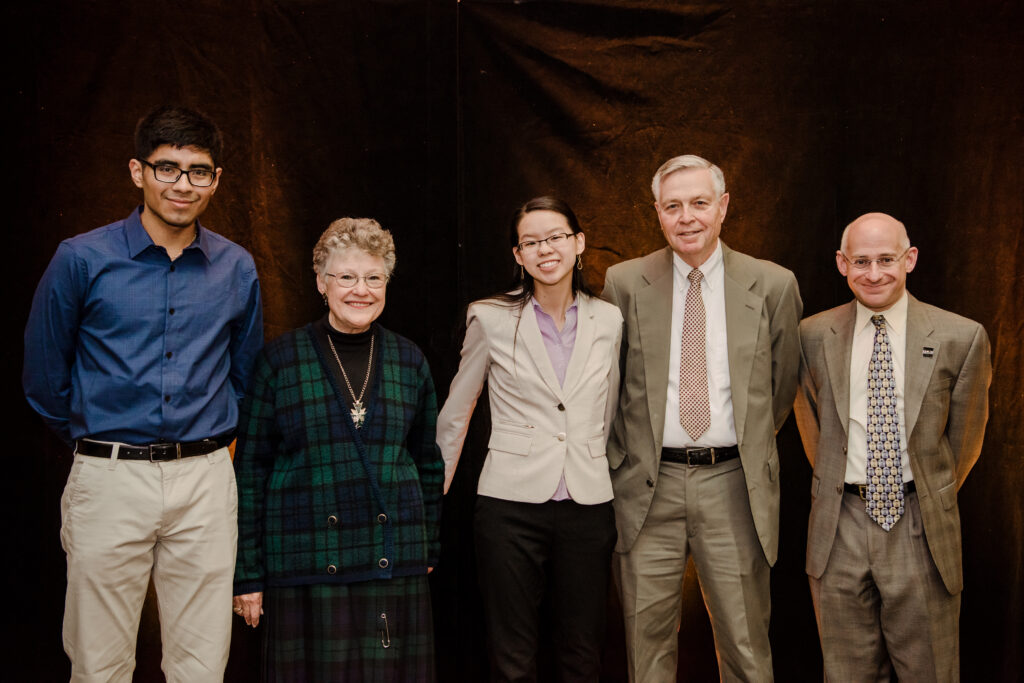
[(706, 511), (124, 521)]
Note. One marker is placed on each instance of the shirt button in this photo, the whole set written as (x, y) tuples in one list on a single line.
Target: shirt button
[(169, 354), (561, 436), (381, 518), (170, 311), (561, 407), (167, 398), (331, 569), (172, 268), (332, 520), (383, 563)]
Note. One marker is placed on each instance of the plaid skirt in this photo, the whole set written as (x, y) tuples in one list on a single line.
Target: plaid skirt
[(361, 632)]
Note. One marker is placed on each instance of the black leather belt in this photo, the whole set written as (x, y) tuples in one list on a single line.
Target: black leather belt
[(154, 452), (699, 456), (862, 489)]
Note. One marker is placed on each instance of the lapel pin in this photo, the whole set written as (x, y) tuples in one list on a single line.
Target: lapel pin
[(927, 352)]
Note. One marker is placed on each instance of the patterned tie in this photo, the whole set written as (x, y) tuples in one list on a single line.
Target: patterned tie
[(885, 474), (694, 409)]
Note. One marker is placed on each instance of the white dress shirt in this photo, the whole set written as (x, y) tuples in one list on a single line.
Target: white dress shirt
[(860, 357), (722, 431)]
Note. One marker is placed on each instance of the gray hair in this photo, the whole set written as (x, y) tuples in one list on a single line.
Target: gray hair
[(359, 233), (687, 161), (904, 238)]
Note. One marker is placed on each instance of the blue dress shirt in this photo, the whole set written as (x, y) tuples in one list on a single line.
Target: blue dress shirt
[(123, 344)]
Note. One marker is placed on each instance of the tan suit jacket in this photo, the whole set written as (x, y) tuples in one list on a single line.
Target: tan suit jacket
[(947, 375), (762, 310), (539, 429)]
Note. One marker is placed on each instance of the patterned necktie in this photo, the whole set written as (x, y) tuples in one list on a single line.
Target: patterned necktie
[(885, 473), (694, 409)]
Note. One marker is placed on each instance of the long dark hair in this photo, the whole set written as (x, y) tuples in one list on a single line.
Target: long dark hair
[(521, 288)]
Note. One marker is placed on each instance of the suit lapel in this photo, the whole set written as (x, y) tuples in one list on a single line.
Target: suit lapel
[(654, 321), (918, 368), (585, 332), (529, 333), (742, 322), (838, 347)]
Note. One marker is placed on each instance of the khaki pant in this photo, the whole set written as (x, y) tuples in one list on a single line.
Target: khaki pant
[(124, 521)]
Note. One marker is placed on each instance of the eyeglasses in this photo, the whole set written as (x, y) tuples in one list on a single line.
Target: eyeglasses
[(350, 280), (884, 262), (555, 240), (167, 173)]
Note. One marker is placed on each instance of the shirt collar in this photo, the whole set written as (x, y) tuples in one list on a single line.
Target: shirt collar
[(710, 268), (895, 315), (538, 309), (139, 240)]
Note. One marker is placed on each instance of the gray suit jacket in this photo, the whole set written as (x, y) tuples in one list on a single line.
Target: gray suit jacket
[(945, 407), (762, 310)]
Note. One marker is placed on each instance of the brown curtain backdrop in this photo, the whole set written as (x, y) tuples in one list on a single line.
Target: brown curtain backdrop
[(438, 117)]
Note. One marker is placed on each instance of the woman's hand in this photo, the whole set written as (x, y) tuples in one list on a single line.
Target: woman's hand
[(249, 606)]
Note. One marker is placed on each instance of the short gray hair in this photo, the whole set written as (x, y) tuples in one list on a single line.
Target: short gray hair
[(687, 161), (359, 233), (904, 238)]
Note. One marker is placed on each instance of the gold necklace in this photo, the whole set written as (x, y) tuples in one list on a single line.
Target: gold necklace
[(358, 410)]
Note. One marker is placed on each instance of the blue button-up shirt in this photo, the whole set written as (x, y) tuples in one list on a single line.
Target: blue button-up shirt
[(123, 344)]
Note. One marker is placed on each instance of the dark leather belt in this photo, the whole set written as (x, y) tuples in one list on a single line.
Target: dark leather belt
[(694, 457), (154, 452), (862, 489)]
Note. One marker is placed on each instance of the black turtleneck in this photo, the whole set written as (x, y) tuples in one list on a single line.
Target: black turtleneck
[(353, 352)]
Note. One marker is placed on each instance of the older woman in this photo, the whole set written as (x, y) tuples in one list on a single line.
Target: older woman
[(339, 482)]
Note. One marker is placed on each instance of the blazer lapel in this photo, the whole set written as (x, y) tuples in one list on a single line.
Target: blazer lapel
[(529, 333), (918, 368), (585, 332), (742, 322), (838, 347), (654, 321)]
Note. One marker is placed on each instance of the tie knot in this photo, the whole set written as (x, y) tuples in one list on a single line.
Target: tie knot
[(878, 320), (695, 276)]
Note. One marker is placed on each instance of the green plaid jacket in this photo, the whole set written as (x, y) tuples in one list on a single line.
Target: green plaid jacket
[(320, 501)]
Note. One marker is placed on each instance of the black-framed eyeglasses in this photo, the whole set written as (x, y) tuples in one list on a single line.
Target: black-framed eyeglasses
[(554, 241), (884, 262), (169, 173), (350, 280)]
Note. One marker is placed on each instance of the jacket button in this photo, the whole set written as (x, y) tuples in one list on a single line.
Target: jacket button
[(560, 436), (561, 407), (332, 520), (839, 488), (844, 450), (383, 563), (650, 483), (381, 518), (331, 569)]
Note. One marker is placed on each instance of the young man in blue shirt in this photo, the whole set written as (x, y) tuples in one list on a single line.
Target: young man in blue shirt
[(138, 350)]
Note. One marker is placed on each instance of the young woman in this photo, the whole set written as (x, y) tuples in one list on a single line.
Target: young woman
[(544, 523)]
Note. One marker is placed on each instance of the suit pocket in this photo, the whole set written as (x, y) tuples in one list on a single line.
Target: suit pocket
[(510, 442), (596, 446), (947, 495)]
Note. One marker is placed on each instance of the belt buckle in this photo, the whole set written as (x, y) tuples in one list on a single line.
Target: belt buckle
[(699, 452), (174, 448), (862, 491)]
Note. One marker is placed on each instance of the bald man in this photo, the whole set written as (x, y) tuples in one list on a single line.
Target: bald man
[(892, 408)]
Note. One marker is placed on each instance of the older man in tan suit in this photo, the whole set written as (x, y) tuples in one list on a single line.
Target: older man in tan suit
[(710, 355), (892, 412)]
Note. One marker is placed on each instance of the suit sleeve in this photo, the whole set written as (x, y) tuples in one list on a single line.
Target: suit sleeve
[(785, 324), (615, 452), (50, 338), (453, 420), (968, 407), (806, 408), (614, 377)]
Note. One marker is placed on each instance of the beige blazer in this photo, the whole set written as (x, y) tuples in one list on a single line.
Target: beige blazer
[(539, 429), (947, 375), (762, 311)]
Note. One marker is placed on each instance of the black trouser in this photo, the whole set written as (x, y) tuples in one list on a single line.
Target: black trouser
[(526, 550)]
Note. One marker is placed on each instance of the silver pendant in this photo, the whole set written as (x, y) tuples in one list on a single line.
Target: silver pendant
[(358, 413)]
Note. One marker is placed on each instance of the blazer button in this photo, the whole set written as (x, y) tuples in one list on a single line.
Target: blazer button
[(839, 488), (650, 483), (383, 563), (331, 569), (332, 520), (844, 450), (560, 436), (561, 407), (381, 518)]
